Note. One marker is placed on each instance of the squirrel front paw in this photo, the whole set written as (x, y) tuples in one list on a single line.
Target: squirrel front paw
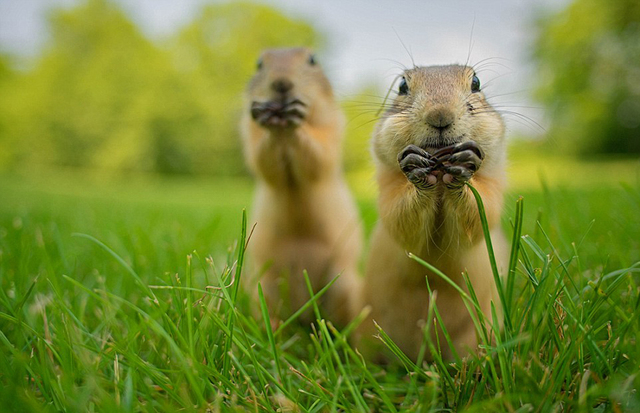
[(418, 166), (462, 161)]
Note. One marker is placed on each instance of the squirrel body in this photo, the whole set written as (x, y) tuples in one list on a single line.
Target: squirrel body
[(305, 216), (438, 133)]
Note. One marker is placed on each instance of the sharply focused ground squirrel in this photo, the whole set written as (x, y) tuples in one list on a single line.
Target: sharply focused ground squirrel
[(306, 218), (426, 209)]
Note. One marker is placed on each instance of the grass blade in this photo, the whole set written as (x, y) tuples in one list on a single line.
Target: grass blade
[(492, 257), (515, 247), (267, 324)]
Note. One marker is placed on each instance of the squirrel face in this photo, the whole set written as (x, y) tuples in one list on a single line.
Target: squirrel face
[(437, 106), (287, 87)]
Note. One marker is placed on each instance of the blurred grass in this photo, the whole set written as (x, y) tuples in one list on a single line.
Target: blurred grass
[(531, 165), (203, 213), (211, 208)]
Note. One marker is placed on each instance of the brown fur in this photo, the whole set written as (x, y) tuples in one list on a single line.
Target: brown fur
[(305, 215), (440, 224)]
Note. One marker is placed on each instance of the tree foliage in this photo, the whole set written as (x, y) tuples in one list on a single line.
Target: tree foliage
[(5, 75), (362, 110), (102, 95), (218, 53), (589, 61)]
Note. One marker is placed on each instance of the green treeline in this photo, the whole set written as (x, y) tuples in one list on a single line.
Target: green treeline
[(588, 57), (102, 95)]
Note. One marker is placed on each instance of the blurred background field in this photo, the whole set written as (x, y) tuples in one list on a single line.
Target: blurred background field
[(129, 93), (598, 200)]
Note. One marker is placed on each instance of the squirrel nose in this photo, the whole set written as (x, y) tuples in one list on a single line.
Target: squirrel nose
[(440, 118), (282, 85)]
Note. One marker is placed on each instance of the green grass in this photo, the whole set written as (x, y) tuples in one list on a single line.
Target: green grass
[(122, 295)]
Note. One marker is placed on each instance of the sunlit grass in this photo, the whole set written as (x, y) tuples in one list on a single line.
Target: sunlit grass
[(120, 295), (530, 167)]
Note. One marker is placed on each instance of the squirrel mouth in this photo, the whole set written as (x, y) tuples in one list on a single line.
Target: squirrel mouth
[(439, 142), (281, 114)]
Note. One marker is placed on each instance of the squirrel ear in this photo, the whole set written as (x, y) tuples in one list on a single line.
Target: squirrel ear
[(259, 64), (312, 60)]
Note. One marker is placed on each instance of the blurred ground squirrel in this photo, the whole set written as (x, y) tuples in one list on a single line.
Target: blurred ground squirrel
[(438, 133), (305, 215)]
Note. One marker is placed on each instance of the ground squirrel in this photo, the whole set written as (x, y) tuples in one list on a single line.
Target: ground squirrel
[(305, 216), (438, 133)]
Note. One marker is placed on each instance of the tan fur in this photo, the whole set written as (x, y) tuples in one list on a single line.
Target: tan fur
[(440, 225), (305, 215)]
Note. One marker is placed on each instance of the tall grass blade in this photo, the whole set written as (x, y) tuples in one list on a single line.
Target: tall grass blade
[(515, 247), (267, 324), (492, 257), (232, 305)]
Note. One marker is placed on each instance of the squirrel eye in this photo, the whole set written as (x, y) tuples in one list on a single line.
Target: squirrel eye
[(312, 60), (475, 84), (259, 64), (404, 88)]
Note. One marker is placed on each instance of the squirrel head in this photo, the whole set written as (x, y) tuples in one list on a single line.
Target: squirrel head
[(437, 106), (289, 87)]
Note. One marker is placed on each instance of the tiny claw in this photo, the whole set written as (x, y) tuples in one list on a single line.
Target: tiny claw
[(470, 145), (413, 149), (456, 176), (413, 161), (257, 109), (447, 150), (417, 165)]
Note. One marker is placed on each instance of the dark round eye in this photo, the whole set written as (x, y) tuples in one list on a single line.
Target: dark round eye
[(403, 89), (259, 64), (475, 84), (312, 60)]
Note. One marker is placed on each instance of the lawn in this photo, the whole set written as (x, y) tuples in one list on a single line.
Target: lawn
[(117, 294)]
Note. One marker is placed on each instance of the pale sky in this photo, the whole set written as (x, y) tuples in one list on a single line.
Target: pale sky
[(365, 38)]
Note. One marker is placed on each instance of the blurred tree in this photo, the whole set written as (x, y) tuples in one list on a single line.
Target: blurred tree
[(362, 111), (5, 70), (102, 95), (218, 53), (589, 61), (6, 75), (92, 96)]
